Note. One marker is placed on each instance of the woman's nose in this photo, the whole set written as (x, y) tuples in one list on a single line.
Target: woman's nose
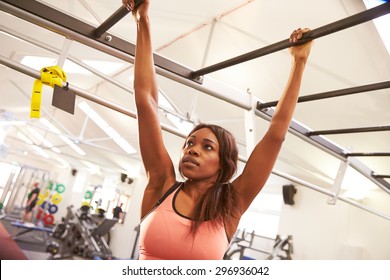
[(193, 151)]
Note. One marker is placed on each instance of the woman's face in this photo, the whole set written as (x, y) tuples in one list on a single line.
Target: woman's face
[(200, 156)]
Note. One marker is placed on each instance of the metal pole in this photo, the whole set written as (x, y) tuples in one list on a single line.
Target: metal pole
[(367, 154), (82, 93), (313, 34), (331, 94), (381, 176), (109, 22), (114, 18), (349, 130)]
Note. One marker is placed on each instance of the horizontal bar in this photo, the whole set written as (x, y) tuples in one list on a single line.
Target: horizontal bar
[(313, 34), (367, 154), (350, 130), (331, 94), (109, 22), (114, 18), (82, 93), (380, 176)]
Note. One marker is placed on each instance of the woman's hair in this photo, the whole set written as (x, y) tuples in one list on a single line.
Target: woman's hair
[(219, 203)]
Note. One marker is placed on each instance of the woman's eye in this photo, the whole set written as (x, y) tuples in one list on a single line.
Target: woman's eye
[(190, 143), (208, 147)]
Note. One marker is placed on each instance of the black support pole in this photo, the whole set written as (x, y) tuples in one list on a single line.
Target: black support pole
[(313, 34), (350, 130), (380, 176), (110, 22), (368, 155), (113, 19), (331, 94)]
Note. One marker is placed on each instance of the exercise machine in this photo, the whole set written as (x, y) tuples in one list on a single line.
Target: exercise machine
[(81, 234)]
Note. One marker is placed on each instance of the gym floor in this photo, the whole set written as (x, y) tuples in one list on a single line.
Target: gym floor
[(31, 244)]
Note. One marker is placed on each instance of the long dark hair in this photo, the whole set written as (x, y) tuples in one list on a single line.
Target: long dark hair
[(219, 203)]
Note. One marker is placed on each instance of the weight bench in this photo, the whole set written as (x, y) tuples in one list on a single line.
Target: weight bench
[(26, 229)]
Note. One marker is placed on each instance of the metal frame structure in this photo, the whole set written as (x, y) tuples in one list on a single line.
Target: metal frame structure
[(77, 30)]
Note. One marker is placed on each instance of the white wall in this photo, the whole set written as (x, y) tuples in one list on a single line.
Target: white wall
[(123, 235), (333, 232)]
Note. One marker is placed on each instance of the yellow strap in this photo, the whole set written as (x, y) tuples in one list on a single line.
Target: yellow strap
[(52, 75)]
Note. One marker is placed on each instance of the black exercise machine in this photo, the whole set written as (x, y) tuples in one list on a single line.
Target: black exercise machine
[(83, 235)]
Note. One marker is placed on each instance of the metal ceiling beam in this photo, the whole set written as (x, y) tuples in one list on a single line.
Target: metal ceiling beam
[(349, 130), (311, 35), (331, 94)]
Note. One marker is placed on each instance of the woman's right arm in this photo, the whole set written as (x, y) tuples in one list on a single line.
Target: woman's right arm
[(158, 165)]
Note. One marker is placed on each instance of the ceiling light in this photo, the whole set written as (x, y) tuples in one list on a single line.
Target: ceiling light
[(5, 123), (105, 67), (39, 62), (181, 124), (44, 141), (109, 130), (381, 23), (24, 138), (55, 130)]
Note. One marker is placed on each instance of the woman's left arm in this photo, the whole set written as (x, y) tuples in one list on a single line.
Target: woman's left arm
[(263, 157)]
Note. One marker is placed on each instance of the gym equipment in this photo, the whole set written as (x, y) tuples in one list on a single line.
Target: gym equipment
[(241, 242), (26, 229), (81, 234), (283, 248)]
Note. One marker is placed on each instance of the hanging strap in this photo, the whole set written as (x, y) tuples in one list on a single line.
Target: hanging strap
[(51, 76)]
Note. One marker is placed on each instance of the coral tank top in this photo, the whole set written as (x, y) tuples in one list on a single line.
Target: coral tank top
[(165, 234)]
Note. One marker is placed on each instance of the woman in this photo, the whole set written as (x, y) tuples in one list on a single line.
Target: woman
[(198, 217)]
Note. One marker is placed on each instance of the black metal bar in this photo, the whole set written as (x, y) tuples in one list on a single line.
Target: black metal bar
[(367, 154), (113, 19), (313, 34), (331, 94), (350, 130), (380, 176)]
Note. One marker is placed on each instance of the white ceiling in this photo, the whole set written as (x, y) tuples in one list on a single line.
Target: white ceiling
[(201, 33)]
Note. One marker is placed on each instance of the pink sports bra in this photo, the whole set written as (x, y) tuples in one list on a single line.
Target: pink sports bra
[(165, 235)]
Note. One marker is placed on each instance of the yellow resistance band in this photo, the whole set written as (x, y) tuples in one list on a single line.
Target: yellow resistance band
[(52, 75)]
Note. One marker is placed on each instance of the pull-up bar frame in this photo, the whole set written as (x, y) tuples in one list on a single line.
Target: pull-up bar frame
[(67, 26)]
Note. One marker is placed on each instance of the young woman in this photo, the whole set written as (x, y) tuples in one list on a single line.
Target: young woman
[(198, 217)]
